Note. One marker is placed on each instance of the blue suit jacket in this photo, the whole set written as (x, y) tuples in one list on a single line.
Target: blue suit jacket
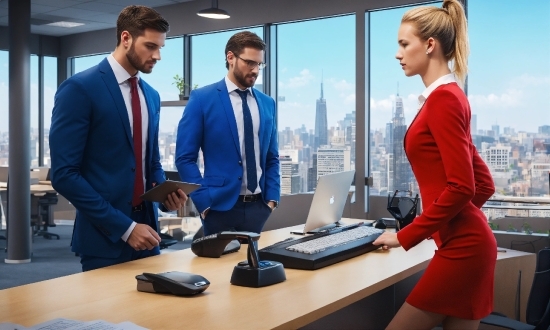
[(208, 123), (92, 157)]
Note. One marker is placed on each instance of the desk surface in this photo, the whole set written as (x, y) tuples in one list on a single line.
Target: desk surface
[(110, 293), (41, 188)]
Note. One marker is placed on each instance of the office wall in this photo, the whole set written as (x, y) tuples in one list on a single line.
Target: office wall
[(40, 45), (183, 19)]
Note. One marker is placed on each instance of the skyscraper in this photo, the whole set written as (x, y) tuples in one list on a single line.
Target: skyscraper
[(401, 169), (321, 124)]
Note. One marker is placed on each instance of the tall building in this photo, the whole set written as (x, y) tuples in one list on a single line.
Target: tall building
[(497, 157), (401, 168), (290, 177), (312, 173), (321, 122), (496, 129), (388, 140), (473, 125), (333, 160), (544, 129)]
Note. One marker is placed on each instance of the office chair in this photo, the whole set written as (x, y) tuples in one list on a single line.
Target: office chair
[(41, 214), (538, 304)]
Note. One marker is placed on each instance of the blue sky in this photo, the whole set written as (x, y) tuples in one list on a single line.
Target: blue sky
[(509, 75)]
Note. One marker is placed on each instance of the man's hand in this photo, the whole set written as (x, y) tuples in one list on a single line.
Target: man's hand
[(387, 240), (175, 200), (143, 237), (271, 204)]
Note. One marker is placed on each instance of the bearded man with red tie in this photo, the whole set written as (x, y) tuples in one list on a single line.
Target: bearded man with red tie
[(104, 146)]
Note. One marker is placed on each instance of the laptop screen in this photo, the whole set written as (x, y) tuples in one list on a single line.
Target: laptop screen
[(329, 200)]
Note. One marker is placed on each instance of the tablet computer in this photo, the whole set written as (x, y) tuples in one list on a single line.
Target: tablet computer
[(161, 191)]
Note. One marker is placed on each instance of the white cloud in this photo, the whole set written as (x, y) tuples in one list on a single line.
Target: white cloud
[(341, 85), (511, 98), (303, 79), (349, 99), (383, 105)]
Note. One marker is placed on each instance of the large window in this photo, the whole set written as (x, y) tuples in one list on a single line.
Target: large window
[(208, 57), (508, 88), (393, 102), (162, 79), (50, 87), (34, 111), (316, 100), (86, 62), (4, 108)]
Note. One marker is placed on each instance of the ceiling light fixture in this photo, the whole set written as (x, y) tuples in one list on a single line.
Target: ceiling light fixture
[(214, 12), (65, 24)]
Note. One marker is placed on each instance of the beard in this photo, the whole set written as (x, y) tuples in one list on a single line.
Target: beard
[(136, 62), (242, 78)]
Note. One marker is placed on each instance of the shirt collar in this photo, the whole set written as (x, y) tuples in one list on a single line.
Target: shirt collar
[(231, 87), (121, 74), (443, 80)]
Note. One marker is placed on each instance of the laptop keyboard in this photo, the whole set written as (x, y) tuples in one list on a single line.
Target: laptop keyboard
[(329, 241)]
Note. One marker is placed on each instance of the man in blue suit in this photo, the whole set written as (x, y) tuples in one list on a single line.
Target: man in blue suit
[(235, 127), (104, 146)]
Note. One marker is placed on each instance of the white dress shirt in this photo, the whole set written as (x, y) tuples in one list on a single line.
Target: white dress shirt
[(237, 104), (443, 80), (122, 77)]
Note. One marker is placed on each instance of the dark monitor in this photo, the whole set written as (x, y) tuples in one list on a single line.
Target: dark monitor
[(172, 175)]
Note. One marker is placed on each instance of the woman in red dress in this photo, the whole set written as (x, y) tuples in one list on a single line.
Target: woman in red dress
[(457, 287)]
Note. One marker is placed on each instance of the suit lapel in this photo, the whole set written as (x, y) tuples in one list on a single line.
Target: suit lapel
[(228, 109), (110, 81)]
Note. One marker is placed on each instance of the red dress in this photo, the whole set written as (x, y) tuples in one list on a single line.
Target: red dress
[(454, 183)]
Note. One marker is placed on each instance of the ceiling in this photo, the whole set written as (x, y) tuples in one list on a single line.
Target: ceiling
[(95, 14)]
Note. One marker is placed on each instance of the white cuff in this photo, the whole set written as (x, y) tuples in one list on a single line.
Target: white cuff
[(129, 231)]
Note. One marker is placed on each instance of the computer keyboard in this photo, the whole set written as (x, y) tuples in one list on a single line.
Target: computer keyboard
[(330, 241), (323, 249)]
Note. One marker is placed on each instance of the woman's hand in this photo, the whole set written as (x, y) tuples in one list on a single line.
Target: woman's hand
[(387, 240)]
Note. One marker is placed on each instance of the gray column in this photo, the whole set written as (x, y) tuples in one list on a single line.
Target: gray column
[(362, 143), (187, 64), (40, 107), (19, 214)]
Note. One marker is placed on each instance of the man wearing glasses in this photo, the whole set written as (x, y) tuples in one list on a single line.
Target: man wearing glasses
[(235, 126)]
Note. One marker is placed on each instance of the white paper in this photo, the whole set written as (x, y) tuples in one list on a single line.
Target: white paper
[(66, 324)]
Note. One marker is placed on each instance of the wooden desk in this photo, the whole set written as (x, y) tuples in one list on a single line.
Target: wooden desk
[(41, 188), (110, 293)]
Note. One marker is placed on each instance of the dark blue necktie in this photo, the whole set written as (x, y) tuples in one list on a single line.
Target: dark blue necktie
[(252, 179)]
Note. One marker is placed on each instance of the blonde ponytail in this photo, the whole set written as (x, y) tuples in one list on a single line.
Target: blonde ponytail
[(461, 47), (448, 26)]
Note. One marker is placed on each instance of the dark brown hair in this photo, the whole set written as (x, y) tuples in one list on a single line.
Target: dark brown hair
[(241, 40), (135, 19)]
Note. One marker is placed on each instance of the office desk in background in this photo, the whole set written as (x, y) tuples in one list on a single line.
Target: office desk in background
[(306, 296)]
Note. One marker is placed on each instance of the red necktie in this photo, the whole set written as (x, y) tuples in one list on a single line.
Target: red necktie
[(136, 113)]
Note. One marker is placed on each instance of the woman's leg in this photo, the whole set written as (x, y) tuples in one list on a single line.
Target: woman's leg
[(454, 323), (410, 317)]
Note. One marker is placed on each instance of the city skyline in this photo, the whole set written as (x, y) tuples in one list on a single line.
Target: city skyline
[(502, 90)]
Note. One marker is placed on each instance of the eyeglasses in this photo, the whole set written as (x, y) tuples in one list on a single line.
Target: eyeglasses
[(252, 64)]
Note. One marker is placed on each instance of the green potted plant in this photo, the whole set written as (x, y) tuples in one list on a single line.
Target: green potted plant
[(180, 85)]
